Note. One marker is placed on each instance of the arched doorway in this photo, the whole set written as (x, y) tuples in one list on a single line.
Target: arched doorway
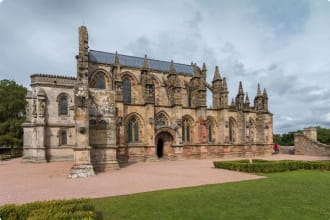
[(160, 148), (163, 144)]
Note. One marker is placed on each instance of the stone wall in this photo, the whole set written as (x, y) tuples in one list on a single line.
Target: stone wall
[(307, 144)]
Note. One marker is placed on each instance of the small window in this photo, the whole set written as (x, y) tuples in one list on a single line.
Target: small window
[(63, 138), (63, 105)]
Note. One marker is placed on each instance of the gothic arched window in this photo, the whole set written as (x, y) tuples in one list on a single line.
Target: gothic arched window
[(63, 138), (100, 82), (186, 130), (133, 130), (127, 91), (63, 105)]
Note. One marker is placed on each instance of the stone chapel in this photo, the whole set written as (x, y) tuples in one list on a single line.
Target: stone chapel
[(122, 108)]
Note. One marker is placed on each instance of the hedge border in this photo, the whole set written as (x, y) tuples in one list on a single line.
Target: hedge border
[(266, 166), (52, 210)]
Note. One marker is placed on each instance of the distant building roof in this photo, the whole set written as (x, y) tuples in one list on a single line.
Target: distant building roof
[(137, 62)]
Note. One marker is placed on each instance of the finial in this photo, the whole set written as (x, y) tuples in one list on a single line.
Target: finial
[(216, 74)]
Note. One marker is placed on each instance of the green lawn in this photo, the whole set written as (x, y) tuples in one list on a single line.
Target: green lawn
[(300, 194)]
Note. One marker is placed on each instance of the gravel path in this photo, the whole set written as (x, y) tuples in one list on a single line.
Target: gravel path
[(27, 182)]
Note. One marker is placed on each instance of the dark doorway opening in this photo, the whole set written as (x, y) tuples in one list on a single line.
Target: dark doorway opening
[(160, 148)]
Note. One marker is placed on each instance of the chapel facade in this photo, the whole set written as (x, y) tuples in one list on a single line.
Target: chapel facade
[(122, 108)]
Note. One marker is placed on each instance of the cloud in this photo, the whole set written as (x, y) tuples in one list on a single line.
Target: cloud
[(280, 44)]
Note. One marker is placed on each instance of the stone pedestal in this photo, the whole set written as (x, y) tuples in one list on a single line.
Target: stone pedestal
[(82, 166)]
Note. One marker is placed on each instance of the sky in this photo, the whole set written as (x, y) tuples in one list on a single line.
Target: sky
[(282, 44)]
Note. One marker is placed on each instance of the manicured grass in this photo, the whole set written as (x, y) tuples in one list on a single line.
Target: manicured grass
[(299, 194)]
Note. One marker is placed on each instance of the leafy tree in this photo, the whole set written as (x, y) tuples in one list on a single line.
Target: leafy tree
[(323, 135), (12, 113)]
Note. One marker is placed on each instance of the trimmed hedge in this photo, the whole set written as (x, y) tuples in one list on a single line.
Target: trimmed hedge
[(56, 209), (264, 166)]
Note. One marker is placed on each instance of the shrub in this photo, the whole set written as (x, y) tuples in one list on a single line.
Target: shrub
[(56, 209), (264, 166)]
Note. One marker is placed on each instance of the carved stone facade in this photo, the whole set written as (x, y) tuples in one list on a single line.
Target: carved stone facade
[(122, 108)]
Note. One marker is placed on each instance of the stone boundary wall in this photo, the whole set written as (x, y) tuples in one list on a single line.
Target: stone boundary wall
[(307, 146)]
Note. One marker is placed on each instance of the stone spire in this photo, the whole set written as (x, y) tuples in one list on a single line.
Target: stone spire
[(216, 75), (240, 89), (259, 91), (265, 94), (247, 100), (117, 63), (204, 71)]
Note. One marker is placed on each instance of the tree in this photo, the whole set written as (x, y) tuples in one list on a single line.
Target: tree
[(12, 113)]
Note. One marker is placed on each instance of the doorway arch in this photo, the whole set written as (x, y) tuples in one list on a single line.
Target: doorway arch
[(163, 144)]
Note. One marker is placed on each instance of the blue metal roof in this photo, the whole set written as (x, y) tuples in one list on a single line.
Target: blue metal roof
[(137, 62)]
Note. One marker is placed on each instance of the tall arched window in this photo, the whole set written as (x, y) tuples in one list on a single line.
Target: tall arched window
[(63, 138), (133, 130), (186, 129), (63, 105), (127, 91), (100, 82)]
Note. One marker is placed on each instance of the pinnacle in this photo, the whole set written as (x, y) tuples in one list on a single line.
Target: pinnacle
[(145, 62), (204, 67), (240, 89), (172, 69), (265, 93), (224, 85), (259, 91), (216, 74), (116, 58), (247, 100)]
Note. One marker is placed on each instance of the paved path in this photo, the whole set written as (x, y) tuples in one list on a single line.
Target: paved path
[(27, 182)]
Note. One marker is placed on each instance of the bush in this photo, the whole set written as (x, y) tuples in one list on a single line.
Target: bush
[(264, 166), (57, 210)]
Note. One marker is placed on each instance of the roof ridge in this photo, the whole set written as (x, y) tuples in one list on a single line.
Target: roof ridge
[(140, 57)]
